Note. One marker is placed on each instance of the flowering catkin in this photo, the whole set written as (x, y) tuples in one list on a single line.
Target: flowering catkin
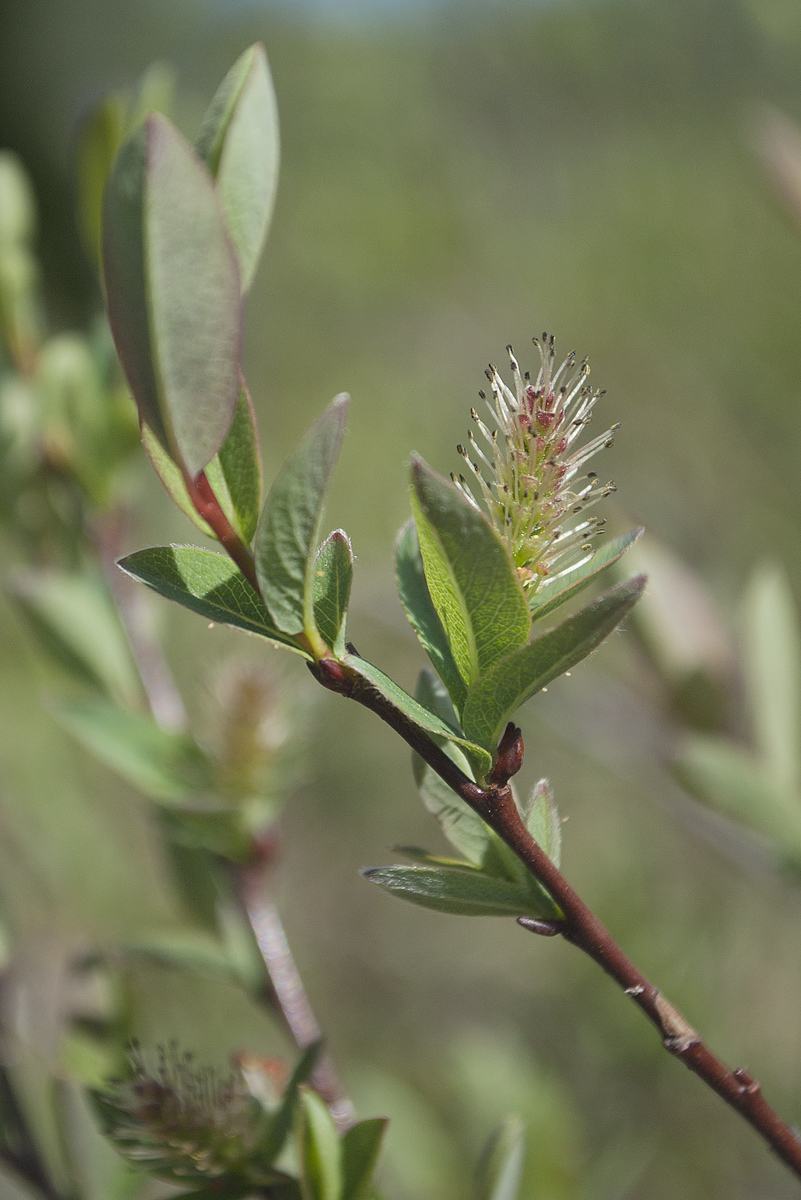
[(527, 474)]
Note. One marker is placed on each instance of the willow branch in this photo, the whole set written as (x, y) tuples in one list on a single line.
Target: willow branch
[(286, 990), (578, 925)]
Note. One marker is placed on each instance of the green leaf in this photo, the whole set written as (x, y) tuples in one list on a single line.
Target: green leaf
[(419, 608), (172, 479), (238, 139), (208, 583), (733, 781), (773, 674), (74, 617), (553, 594), (333, 572), (286, 539), (500, 1170), (463, 828), (471, 578), (515, 679), (543, 823), (468, 893), (320, 1150), (172, 287), (279, 1124), (433, 695), (168, 766), (99, 141), (425, 859), (361, 1146), (416, 712), (17, 202), (234, 474)]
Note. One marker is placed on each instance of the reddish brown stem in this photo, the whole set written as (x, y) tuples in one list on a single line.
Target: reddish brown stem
[(496, 805), (208, 507)]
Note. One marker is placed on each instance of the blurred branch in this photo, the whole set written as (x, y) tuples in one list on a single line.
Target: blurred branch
[(497, 807), (286, 991), (160, 688)]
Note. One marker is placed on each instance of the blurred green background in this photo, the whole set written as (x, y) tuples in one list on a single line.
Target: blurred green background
[(453, 179)]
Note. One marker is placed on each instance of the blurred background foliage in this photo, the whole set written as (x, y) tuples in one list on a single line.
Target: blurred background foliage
[(455, 178)]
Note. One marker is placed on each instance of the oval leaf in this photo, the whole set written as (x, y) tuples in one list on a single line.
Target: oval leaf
[(75, 619), (515, 679), (166, 765), (543, 823), (279, 1123), (470, 576), (333, 572), (734, 781), (466, 893), (416, 712), (238, 139), (361, 1146), (463, 828), (172, 285), (286, 539), (320, 1150), (773, 674), (553, 594), (234, 474), (419, 608), (500, 1170), (208, 583)]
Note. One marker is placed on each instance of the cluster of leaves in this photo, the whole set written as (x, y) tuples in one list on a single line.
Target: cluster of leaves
[(180, 235), (176, 268), (68, 441)]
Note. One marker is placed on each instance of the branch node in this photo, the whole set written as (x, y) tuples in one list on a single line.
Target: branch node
[(509, 758), (332, 675), (748, 1086), (677, 1033), (543, 928)]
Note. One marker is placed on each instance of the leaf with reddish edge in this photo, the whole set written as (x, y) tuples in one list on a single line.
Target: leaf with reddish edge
[(234, 475)]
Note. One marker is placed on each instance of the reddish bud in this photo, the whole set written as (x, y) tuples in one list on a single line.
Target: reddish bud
[(331, 674), (509, 758)]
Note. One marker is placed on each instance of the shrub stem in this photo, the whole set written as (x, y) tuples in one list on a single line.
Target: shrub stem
[(496, 805)]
